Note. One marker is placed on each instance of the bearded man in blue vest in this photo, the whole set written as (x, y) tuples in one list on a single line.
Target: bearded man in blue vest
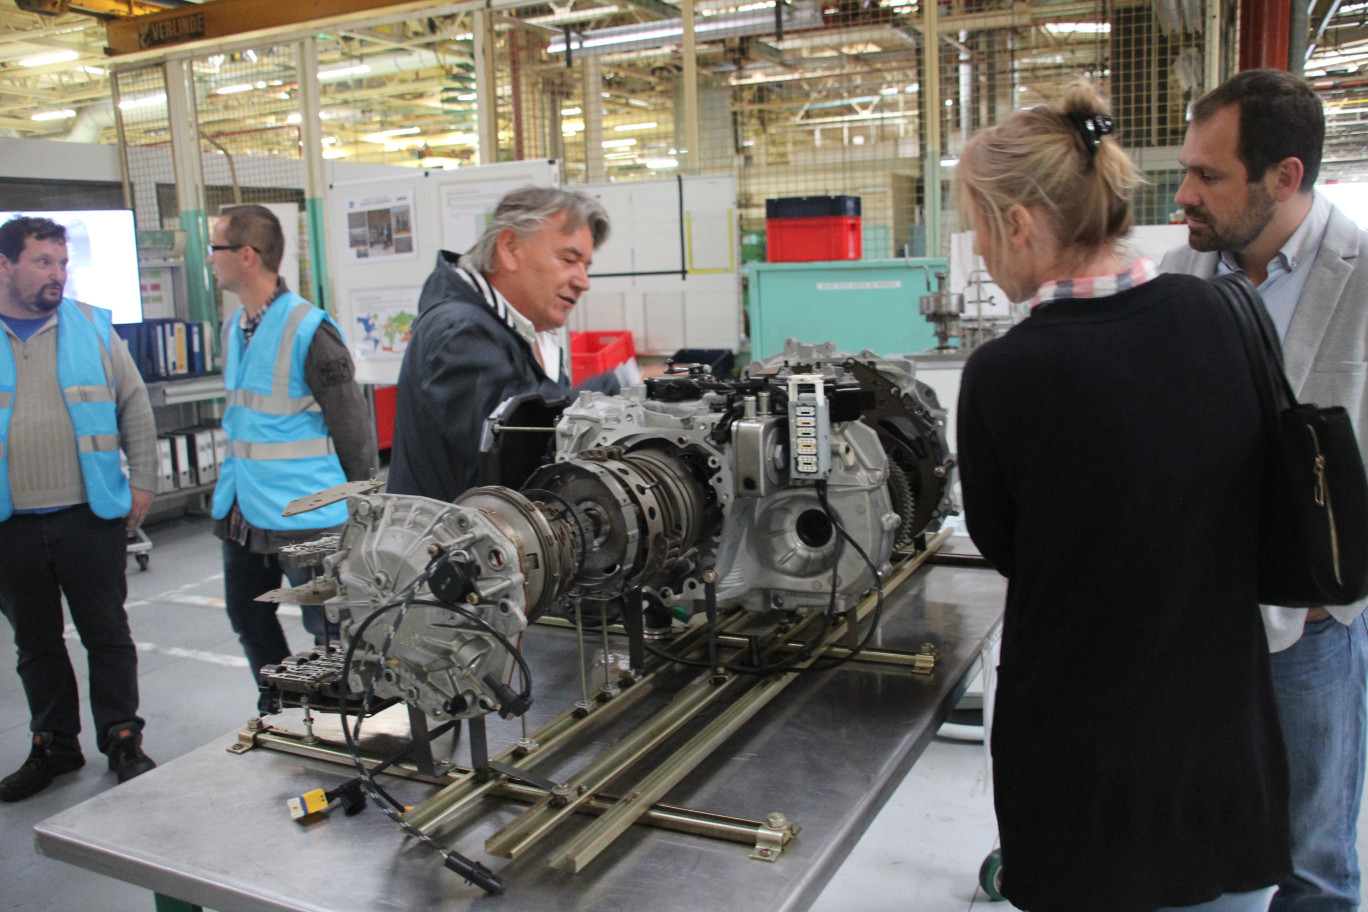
[(297, 423), (70, 399)]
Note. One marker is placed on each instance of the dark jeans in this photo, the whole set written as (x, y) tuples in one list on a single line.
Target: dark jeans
[(71, 552), (247, 575)]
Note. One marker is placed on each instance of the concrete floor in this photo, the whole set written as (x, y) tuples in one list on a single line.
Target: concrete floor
[(921, 854)]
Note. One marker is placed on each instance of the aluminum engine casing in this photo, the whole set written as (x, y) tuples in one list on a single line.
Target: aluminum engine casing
[(772, 547), (437, 659)]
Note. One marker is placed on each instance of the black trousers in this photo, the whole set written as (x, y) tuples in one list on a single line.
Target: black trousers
[(72, 553)]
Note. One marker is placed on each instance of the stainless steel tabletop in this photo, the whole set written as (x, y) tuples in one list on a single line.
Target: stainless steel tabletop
[(212, 828)]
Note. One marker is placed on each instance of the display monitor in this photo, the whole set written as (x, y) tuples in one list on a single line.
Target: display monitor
[(102, 251)]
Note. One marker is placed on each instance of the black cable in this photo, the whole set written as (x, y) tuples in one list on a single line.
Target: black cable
[(878, 583), (471, 870), (803, 653)]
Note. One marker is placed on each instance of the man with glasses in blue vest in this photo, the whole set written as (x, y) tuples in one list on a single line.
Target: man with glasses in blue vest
[(70, 399), (296, 421)]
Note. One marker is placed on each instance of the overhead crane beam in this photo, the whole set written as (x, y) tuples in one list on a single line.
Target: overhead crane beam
[(101, 9)]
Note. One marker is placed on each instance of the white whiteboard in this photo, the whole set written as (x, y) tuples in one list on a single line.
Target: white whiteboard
[(670, 270), (446, 211)]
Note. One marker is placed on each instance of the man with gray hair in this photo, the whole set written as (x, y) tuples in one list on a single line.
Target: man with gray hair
[(486, 331)]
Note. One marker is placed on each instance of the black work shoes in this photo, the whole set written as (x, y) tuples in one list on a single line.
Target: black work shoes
[(126, 757), (45, 762)]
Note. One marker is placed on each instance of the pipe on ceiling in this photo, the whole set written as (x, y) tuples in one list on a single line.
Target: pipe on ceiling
[(96, 118)]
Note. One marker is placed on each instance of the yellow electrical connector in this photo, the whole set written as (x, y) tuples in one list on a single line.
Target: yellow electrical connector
[(308, 803)]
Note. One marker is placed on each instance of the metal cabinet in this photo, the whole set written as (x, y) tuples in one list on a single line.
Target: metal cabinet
[(858, 304)]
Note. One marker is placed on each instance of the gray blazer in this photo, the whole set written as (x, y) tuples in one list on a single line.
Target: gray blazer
[(1325, 355)]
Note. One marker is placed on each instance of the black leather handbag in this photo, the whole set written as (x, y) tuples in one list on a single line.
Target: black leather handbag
[(1313, 534)]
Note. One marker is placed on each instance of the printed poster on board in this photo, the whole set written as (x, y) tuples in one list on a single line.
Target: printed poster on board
[(383, 321), (380, 226)]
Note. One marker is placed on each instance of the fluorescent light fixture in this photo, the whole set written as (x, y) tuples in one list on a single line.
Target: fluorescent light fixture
[(385, 135), (629, 128), (92, 70), (344, 71), (50, 57), (579, 15), (570, 112), (660, 164), (294, 118), (619, 156), (618, 143), (645, 35), (889, 90), (334, 153), (145, 101), (470, 96), (1078, 28), (234, 89), (949, 162), (575, 127), (53, 115)]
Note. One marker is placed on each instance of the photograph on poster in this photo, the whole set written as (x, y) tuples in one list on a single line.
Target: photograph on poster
[(383, 320), (380, 227)]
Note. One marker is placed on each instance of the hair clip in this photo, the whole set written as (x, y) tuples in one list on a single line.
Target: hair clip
[(1092, 127)]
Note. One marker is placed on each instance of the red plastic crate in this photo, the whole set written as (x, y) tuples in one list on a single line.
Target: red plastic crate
[(384, 416), (595, 352), (805, 240)]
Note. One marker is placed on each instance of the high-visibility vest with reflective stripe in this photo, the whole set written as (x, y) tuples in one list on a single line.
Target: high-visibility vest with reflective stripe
[(85, 372), (278, 444)]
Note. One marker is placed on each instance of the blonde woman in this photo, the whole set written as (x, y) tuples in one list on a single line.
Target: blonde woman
[(1111, 459)]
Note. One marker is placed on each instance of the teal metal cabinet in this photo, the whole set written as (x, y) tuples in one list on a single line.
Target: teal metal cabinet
[(858, 304)]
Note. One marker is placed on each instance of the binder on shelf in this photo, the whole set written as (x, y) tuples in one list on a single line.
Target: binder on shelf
[(180, 454), (206, 470), (182, 348), (195, 345), (163, 349), (220, 447), (166, 467)]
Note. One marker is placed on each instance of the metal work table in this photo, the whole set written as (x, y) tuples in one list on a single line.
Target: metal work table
[(211, 828)]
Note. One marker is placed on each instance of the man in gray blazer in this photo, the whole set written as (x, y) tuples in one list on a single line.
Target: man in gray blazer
[(1252, 153)]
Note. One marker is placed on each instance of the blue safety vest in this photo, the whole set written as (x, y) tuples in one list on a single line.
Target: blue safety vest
[(278, 444), (85, 372)]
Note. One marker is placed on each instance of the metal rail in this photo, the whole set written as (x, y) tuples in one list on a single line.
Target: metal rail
[(638, 803)]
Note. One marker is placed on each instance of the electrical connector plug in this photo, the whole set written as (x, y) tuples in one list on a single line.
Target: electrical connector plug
[(474, 872), (311, 802), (353, 797)]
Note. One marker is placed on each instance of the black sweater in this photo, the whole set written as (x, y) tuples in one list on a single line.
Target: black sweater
[(1111, 464)]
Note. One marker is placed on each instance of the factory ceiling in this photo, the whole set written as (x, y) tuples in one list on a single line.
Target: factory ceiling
[(837, 65)]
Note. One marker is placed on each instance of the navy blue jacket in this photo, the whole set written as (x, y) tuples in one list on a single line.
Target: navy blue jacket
[(462, 361)]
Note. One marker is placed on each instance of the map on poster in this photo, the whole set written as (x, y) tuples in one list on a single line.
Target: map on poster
[(380, 226), (383, 320)]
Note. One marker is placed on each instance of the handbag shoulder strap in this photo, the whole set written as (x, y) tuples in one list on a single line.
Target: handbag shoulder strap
[(1260, 341)]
